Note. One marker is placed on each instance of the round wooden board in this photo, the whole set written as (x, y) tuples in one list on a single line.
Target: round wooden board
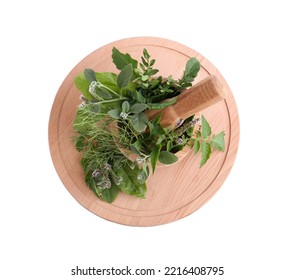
[(173, 192)]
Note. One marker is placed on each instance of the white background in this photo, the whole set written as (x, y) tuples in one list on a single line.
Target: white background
[(247, 227)]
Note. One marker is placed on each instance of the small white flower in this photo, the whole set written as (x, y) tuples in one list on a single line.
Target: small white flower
[(92, 87), (139, 159), (96, 173), (82, 105), (180, 141), (179, 122), (123, 115), (139, 177)]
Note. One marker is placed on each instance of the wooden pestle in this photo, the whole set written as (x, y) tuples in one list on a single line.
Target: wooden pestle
[(191, 101)]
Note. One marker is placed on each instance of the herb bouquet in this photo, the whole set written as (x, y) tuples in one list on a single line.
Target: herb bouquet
[(112, 123)]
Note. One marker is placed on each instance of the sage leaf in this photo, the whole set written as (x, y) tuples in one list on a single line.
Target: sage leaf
[(121, 60), (154, 157), (114, 113), (205, 127), (125, 106), (124, 77), (196, 146), (205, 152), (90, 75), (138, 108), (166, 157), (139, 121), (218, 141)]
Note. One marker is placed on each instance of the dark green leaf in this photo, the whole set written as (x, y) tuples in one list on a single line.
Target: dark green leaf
[(205, 127), (114, 113), (138, 108), (152, 62), (196, 146), (169, 145), (138, 96), (153, 72), (192, 67), (90, 75), (218, 141), (121, 60), (139, 121), (109, 195), (103, 93), (93, 107), (157, 119), (124, 77), (146, 54), (125, 106), (162, 105), (154, 156), (205, 152), (166, 157)]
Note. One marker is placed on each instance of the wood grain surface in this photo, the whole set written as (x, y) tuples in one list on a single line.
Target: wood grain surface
[(173, 191)]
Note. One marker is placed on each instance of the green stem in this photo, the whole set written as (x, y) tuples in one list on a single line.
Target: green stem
[(111, 100)]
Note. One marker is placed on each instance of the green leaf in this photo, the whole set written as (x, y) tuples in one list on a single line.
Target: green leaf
[(157, 119), (82, 85), (218, 141), (121, 60), (166, 157), (108, 79), (129, 183), (125, 106), (169, 145), (154, 156), (90, 75), (196, 146), (103, 93), (192, 67), (114, 113), (124, 77), (205, 152), (109, 195), (138, 108), (139, 121), (205, 127), (162, 105), (138, 96), (146, 54)]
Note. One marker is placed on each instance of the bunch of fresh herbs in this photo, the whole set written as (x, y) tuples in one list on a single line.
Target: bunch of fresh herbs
[(112, 119)]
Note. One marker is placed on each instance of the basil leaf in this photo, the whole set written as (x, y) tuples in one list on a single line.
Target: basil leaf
[(129, 183), (205, 152), (138, 108), (124, 77), (166, 157), (121, 60), (218, 141), (109, 195), (154, 156), (205, 127), (192, 67)]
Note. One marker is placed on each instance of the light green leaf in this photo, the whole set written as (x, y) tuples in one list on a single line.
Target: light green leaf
[(90, 75), (124, 77), (205, 153), (166, 157), (218, 141), (125, 106), (162, 105), (196, 146), (138, 108), (82, 85), (192, 67), (114, 113), (121, 60), (154, 156), (205, 127), (108, 79), (139, 121)]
